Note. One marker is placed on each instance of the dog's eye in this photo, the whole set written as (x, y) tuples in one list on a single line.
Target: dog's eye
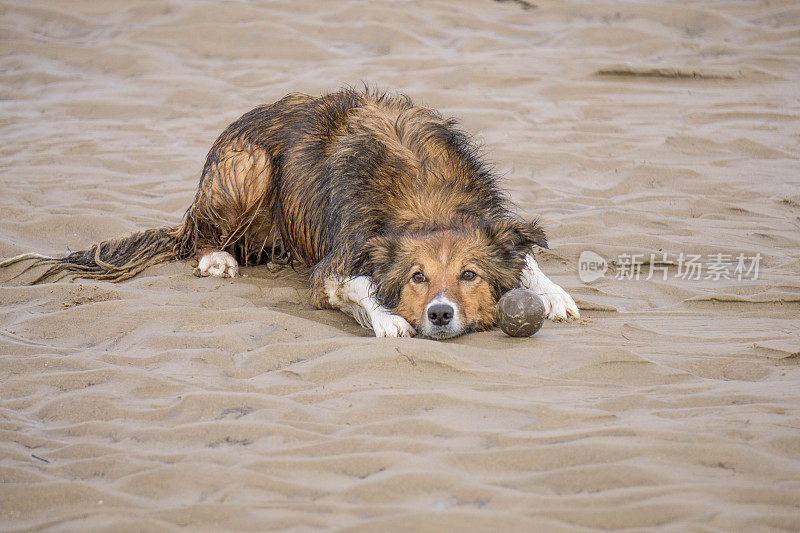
[(468, 275), (419, 277)]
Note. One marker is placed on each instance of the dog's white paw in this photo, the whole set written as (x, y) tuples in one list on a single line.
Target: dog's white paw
[(220, 264), (559, 305), (389, 325)]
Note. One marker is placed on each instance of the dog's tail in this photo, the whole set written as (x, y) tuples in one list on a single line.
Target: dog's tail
[(114, 260)]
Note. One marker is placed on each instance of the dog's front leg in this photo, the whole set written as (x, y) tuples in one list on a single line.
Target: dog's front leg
[(558, 305), (356, 296)]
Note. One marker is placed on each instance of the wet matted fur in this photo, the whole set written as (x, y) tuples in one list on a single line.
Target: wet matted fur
[(351, 183)]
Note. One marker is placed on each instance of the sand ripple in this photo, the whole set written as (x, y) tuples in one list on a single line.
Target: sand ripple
[(171, 401)]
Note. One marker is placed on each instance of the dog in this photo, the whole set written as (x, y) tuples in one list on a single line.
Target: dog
[(389, 204)]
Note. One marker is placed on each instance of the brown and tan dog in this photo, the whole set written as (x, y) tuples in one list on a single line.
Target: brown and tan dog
[(389, 204)]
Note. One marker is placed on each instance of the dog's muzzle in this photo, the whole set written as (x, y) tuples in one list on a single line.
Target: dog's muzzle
[(441, 320)]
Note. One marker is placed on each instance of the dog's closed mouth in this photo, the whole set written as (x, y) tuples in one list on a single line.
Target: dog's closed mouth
[(442, 333)]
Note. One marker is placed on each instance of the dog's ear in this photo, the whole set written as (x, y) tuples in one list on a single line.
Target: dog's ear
[(510, 240), (517, 235), (379, 258), (530, 233), (376, 254)]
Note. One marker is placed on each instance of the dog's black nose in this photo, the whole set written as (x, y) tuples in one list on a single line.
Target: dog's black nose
[(440, 314)]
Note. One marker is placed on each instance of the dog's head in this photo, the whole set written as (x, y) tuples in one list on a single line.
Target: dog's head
[(447, 282)]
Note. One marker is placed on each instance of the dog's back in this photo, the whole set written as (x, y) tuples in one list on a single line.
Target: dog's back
[(317, 177), (310, 179)]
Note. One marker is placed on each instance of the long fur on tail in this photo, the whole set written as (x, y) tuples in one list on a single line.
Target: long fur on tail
[(114, 260)]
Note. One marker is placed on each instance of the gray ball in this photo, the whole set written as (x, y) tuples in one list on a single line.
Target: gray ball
[(520, 313)]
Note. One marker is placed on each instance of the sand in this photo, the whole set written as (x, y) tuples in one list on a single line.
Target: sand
[(628, 128)]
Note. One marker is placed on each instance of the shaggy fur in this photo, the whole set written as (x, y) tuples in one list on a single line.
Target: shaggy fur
[(353, 183)]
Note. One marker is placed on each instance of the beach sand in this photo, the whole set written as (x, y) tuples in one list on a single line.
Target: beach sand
[(628, 128)]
